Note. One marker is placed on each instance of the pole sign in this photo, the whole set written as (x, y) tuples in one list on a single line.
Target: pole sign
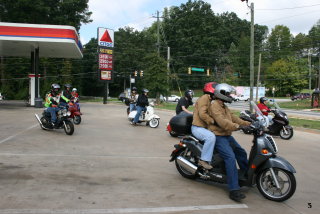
[(105, 51), (105, 37)]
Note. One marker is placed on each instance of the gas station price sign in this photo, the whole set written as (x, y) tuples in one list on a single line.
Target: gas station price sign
[(105, 61)]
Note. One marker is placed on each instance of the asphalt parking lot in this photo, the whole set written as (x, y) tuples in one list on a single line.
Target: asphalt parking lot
[(109, 166)]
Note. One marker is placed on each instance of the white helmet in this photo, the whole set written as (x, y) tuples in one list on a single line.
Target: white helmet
[(74, 89), (223, 92)]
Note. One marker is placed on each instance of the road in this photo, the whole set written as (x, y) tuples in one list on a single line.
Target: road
[(109, 166)]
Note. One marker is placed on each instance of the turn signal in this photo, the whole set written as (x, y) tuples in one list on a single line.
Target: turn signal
[(253, 166), (264, 151)]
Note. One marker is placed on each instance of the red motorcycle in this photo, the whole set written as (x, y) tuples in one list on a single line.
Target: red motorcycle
[(75, 111)]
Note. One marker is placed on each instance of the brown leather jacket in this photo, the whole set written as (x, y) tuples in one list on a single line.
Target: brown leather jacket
[(225, 121), (201, 115)]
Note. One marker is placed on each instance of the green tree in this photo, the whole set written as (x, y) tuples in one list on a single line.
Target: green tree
[(288, 76), (279, 43), (155, 75)]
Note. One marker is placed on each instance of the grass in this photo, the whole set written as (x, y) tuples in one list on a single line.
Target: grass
[(297, 104)]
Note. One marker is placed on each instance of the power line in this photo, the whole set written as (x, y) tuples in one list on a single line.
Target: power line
[(289, 8)]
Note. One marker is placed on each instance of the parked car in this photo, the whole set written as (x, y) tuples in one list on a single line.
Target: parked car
[(173, 98), (241, 98), (1, 96), (122, 96), (300, 96)]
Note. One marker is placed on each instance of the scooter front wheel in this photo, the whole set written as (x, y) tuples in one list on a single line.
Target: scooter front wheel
[(77, 119), (154, 123), (268, 187), (286, 132), (68, 127)]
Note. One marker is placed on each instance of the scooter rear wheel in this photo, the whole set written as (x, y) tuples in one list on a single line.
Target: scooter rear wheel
[(267, 186)]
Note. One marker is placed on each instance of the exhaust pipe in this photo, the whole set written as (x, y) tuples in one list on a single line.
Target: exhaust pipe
[(190, 167)]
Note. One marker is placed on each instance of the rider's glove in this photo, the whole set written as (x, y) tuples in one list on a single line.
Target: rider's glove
[(245, 128)]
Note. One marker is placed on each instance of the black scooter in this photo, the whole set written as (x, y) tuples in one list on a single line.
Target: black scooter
[(272, 174), (280, 122)]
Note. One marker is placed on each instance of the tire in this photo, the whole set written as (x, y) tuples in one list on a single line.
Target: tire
[(269, 190), (77, 119), (285, 136), (154, 123), (44, 123), (173, 134), (187, 154), (177, 100), (69, 127)]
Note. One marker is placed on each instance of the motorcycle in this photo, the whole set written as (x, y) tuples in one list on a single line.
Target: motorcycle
[(75, 111), (177, 125), (148, 116), (63, 121), (280, 122), (272, 174)]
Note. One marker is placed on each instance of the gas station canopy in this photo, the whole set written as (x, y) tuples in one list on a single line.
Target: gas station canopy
[(53, 41)]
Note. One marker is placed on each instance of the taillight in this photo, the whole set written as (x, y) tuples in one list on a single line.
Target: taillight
[(169, 129)]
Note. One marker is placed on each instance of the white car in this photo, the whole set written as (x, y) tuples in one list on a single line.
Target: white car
[(173, 98), (241, 98), (1, 97)]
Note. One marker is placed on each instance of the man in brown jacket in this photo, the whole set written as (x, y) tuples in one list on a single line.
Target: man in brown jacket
[(200, 123), (226, 145)]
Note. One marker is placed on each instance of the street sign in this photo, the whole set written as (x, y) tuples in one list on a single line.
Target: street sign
[(106, 75), (105, 37), (198, 69)]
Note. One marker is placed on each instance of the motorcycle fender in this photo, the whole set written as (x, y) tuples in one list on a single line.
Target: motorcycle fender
[(278, 162), (175, 152), (77, 113), (154, 116)]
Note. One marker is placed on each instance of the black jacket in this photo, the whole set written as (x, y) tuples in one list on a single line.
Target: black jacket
[(142, 100)]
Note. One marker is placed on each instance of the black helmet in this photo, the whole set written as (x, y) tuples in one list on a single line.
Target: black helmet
[(223, 92), (55, 88), (134, 89), (189, 94), (145, 90), (263, 99), (67, 86)]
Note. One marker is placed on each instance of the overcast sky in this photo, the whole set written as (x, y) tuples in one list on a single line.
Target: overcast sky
[(298, 15)]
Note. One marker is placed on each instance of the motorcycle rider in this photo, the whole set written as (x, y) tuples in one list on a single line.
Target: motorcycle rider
[(229, 149), (201, 121), (142, 102), (133, 99), (66, 93), (265, 109), (75, 94), (52, 102), (185, 102)]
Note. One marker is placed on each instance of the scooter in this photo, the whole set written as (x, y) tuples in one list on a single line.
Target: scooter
[(272, 174), (280, 122), (75, 111), (148, 116), (63, 121)]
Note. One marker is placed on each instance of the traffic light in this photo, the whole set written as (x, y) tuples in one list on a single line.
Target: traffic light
[(189, 70), (141, 73), (208, 71), (135, 73)]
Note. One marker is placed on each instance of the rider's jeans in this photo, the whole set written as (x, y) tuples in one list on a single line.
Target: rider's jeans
[(132, 107), (53, 111), (231, 151), (139, 110), (209, 140)]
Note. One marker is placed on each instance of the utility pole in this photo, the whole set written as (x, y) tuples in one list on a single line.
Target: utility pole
[(319, 75), (168, 70), (258, 77), (252, 54), (309, 62), (158, 33)]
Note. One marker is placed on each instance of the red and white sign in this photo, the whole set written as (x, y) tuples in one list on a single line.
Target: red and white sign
[(106, 75), (105, 61), (105, 37)]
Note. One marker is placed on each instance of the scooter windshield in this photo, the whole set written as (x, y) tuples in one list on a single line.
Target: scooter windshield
[(260, 116)]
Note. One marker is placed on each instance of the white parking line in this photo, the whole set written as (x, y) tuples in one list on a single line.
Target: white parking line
[(12, 136), (123, 210)]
